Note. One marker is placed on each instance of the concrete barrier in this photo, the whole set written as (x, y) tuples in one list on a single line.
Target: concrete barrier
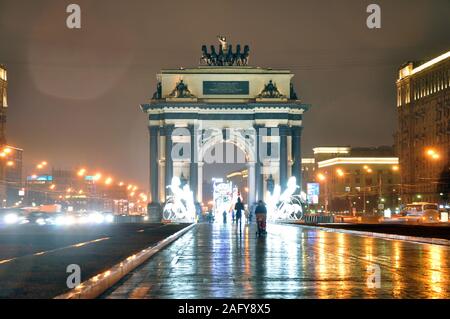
[(317, 219), (415, 239), (128, 219), (95, 286)]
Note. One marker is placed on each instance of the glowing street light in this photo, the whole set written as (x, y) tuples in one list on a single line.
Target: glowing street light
[(7, 150), (433, 154), (395, 168), (97, 176), (81, 172), (340, 172), (10, 163), (321, 177), (52, 186), (108, 181)]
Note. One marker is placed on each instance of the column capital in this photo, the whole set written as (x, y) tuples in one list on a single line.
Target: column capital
[(284, 130), (167, 129)]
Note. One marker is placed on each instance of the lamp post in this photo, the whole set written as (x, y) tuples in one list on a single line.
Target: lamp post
[(322, 178), (367, 170)]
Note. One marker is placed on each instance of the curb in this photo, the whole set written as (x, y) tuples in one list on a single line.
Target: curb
[(95, 286), (414, 239)]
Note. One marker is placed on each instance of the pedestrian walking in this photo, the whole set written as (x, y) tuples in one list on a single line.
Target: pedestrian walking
[(239, 207)]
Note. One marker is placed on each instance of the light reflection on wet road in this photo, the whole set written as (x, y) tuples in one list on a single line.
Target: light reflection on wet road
[(216, 261)]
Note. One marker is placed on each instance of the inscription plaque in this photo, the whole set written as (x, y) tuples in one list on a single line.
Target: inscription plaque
[(225, 87)]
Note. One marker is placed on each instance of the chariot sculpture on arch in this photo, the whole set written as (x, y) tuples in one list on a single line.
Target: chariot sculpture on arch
[(226, 56)]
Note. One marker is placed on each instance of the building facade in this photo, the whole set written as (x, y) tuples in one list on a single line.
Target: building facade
[(354, 179), (81, 193), (3, 103), (423, 135)]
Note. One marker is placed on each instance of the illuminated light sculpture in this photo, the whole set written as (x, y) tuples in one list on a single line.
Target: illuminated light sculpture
[(286, 205), (223, 196), (180, 205)]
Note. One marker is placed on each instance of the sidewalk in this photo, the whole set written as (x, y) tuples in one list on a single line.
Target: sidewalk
[(218, 261)]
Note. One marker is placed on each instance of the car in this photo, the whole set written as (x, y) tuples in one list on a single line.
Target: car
[(421, 212), (39, 218), (12, 217)]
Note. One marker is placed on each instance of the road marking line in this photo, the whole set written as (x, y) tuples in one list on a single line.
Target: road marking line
[(56, 249)]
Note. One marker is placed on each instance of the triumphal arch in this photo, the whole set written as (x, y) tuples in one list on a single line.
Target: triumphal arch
[(223, 100)]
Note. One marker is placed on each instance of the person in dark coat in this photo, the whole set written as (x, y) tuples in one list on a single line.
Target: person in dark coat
[(239, 208)]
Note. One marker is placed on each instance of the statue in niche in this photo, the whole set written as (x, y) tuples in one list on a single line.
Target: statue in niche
[(158, 94), (181, 91), (270, 91), (292, 94)]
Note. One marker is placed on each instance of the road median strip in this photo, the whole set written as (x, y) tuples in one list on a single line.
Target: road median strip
[(416, 239), (98, 284)]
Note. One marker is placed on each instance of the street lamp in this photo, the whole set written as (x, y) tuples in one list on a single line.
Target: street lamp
[(433, 154), (368, 170), (322, 178)]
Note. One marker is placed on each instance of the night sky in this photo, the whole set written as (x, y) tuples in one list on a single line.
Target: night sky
[(74, 94)]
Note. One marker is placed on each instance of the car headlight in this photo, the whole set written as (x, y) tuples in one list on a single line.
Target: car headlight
[(96, 218), (40, 221), (70, 220), (109, 218), (60, 220), (11, 219)]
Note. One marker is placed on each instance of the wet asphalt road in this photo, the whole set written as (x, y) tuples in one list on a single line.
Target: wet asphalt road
[(34, 259), (219, 261)]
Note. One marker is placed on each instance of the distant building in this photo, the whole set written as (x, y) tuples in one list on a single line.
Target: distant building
[(3, 103), (423, 135), (13, 176), (353, 179), (10, 157)]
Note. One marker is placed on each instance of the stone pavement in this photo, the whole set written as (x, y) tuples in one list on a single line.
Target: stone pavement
[(219, 261)]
